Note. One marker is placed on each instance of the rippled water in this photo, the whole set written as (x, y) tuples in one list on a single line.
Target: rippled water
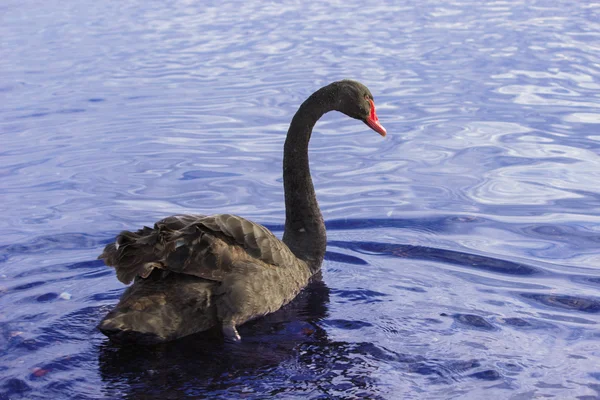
[(463, 255)]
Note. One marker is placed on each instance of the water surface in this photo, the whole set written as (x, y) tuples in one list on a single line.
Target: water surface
[(463, 253)]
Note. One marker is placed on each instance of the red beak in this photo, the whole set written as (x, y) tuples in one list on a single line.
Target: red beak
[(373, 121)]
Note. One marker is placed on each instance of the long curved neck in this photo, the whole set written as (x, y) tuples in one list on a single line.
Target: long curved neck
[(304, 226)]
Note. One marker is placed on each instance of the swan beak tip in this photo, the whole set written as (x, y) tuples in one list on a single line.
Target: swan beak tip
[(376, 126)]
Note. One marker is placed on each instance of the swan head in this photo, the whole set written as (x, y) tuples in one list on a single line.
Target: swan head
[(356, 101)]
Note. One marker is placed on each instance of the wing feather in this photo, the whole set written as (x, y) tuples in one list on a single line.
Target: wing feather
[(210, 247)]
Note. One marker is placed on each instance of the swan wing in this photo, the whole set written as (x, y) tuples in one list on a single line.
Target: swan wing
[(210, 247)]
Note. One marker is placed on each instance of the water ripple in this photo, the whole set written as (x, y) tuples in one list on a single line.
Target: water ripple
[(463, 246)]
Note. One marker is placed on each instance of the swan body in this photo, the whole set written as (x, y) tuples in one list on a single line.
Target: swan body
[(193, 272)]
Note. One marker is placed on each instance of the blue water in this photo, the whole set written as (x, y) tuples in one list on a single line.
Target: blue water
[(463, 258)]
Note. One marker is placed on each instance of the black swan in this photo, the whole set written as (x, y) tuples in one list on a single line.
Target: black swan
[(193, 272)]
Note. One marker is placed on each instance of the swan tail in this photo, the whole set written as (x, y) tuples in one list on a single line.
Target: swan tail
[(136, 253)]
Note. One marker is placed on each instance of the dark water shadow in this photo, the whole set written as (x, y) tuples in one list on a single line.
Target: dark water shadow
[(583, 304), (446, 224), (463, 259)]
